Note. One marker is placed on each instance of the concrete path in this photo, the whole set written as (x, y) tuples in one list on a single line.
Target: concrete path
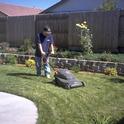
[(16, 110)]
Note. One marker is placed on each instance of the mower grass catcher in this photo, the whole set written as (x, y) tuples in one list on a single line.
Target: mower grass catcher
[(64, 78)]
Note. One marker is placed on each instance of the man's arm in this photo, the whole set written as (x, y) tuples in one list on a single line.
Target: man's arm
[(51, 45), (41, 49), (52, 49), (39, 44)]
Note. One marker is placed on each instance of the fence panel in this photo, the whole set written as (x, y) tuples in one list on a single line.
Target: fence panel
[(59, 27), (103, 25), (107, 29), (19, 29), (121, 32), (3, 21)]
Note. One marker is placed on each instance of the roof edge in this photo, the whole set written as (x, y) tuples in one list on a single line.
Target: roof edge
[(53, 6), (4, 13)]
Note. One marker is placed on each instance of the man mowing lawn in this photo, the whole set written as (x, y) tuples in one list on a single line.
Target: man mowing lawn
[(44, 47)]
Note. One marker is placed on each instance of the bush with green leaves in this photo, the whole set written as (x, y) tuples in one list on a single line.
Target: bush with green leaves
[(109, 5), (110, 71), (85, 38), (107, 56), (10, 59), (75, 68), (27, 47)]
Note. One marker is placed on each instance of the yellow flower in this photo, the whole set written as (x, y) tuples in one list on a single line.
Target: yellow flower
[(84, 27), (82, 24), (85, 22), (78, 25), (111, 71), (30, 63)]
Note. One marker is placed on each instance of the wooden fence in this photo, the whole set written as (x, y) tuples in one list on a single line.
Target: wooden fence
[(59, 27), (107, 29), (3, 23), (121, 32), (103, 25), (20, 28)]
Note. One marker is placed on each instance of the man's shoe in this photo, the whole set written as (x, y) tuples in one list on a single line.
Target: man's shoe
[(48, 76)]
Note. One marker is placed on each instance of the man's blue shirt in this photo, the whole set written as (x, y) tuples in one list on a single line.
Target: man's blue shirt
[(45, 42)]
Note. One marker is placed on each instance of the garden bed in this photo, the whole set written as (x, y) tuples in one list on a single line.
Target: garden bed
[(83, 65)]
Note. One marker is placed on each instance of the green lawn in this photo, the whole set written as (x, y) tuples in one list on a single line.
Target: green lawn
[(100, 102)]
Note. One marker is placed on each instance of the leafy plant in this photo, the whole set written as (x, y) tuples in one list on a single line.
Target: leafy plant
[(107, 57), (85, 38), (4, 45), (1, 61), (30, 63), (27, 47), (109, 5), (10, 59), (75, 68), (110, 71), (52, 63), (100, 119)]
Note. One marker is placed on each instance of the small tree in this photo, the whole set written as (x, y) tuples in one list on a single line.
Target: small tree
[(109, 5), (85, 38)]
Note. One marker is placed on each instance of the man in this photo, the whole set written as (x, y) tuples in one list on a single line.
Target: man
[(44, 47)]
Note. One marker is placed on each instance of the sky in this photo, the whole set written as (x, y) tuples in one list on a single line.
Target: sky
[(43, 4)]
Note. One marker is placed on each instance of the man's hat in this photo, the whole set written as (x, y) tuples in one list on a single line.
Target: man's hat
[(47, 29)]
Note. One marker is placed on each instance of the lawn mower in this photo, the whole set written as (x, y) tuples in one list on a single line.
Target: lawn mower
[(64, 78)]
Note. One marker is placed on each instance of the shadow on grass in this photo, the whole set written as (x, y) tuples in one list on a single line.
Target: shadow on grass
[(117, 80), (22, 75), (121, 121)]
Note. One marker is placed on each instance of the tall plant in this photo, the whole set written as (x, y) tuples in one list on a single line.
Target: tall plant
[(85, 38)]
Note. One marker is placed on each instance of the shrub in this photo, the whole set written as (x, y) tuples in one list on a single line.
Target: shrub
[(30, 63), (4, 45), (52, 63), (110, 71), (1, 61), (10, 50), (85, 38), (68, 54), (56, 49), (107, 57), (109, 5), (27, 47), (10, 59), (75, 68)]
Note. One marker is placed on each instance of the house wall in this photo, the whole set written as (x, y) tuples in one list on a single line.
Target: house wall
[(81, 5), (121, 4)]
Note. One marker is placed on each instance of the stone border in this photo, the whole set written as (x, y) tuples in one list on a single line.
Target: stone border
[(85, 65), (89, 65)]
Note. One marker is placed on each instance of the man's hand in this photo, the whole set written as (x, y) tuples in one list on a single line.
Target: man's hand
[(52, 49), (52, 52), (43, 53)]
